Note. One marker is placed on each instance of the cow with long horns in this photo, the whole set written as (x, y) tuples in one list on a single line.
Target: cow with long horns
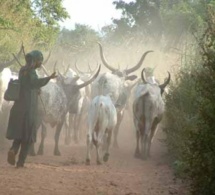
[(56, 99), (148, 109), (78, 109), (115, 84)]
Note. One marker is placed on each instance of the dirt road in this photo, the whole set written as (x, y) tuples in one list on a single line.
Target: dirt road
[(68, 174)]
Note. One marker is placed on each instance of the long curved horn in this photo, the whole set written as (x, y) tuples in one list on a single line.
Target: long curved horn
[(55, 65), (47, 59), (104, 61), (90, 80), (60, 75), (6, 64), (143, 76), (138, 65), (166, 82)]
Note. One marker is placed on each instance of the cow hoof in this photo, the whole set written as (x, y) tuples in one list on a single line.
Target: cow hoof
[(87, 162), (106, 157), (99, 163)]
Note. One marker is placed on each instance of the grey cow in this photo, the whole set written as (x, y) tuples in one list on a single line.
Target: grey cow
[(77, 107), (148, 109), (114, 84), (56, 100)]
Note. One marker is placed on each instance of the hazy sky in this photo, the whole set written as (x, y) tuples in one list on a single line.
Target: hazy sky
[(95, 13)]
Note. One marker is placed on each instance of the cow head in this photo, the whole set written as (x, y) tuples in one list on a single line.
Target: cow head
[(70, 84), (123, 73), (72, 88), (84, 75), (161, 86)]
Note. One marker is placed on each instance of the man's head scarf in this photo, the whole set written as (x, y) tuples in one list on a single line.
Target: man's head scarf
[(35, 56)]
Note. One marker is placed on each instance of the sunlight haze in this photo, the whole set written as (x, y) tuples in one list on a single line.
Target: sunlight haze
[(94, 13)]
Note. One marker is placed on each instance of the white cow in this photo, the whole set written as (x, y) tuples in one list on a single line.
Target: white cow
[(115, 85), (56, 100), (5, 75), (102, 119), (5, 106), (148, 109)]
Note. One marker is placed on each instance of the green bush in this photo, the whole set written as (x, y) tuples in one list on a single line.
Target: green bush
[(181, 118), (190, 117)]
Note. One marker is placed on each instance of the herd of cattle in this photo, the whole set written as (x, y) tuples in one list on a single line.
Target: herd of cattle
[(101, 100)]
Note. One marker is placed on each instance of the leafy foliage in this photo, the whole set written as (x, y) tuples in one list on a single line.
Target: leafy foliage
[(202, 165), (49, 11), (165, 22), (33, 24), (81, 38), (182, 107), (191, 113)]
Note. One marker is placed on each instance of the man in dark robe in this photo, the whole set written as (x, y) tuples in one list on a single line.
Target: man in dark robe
[(23, 115)]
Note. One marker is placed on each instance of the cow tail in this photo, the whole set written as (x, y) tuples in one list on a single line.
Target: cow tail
[(98, 114)]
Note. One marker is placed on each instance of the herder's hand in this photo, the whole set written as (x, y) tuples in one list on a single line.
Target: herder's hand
[(53, 75)]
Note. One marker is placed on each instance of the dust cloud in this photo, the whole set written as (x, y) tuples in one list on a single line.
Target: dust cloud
[(123, 174)]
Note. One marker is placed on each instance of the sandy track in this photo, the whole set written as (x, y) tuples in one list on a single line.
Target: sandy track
[(68, 175)]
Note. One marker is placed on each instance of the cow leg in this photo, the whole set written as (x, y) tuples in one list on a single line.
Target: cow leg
[(67, 130), (144, 144), (107, 145), (153, 131), (80, 125), (98, 154), (57, 136), (116, 130), (71, 127), (75, 137), (43, 136), (104, 142), (145, 139), (137, 125), (137, 151), (31, 151), (77, 127), (89, 148)]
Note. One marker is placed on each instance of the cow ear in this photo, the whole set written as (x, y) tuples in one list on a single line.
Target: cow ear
[(131, 77)]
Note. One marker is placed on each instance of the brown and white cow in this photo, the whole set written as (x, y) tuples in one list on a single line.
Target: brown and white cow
[(148, 110)]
